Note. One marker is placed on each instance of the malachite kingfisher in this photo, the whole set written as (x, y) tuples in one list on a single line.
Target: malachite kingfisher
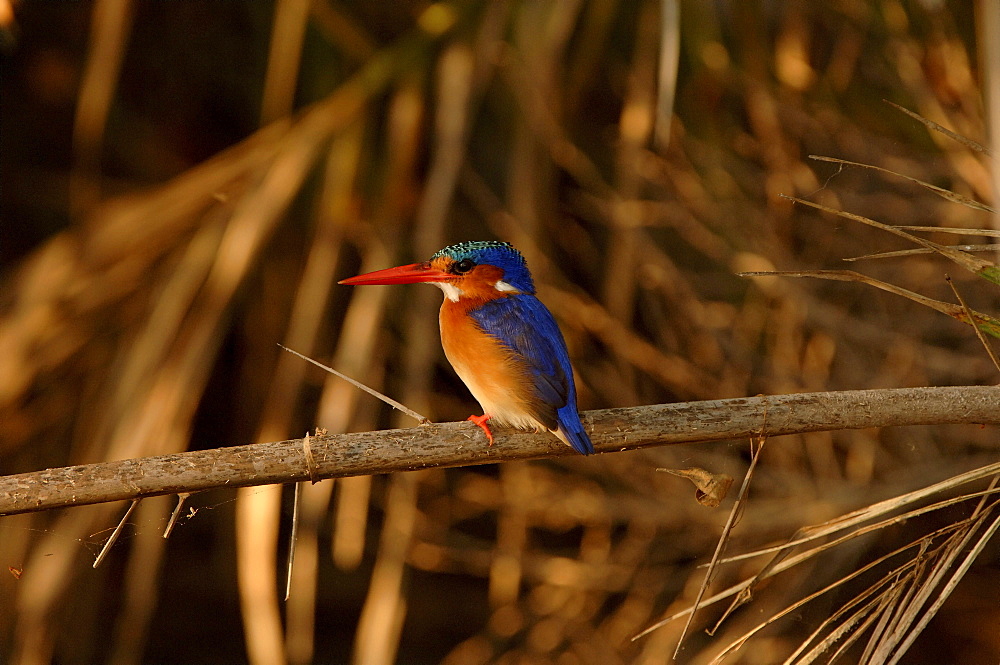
[(501, 340)]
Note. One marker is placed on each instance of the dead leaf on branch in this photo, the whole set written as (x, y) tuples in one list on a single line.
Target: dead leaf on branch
[(711, 488)]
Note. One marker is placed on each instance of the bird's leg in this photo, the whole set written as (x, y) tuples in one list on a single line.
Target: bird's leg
[(481, 421)]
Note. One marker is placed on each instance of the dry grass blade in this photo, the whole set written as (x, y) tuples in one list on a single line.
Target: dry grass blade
[(916, 252), (956, 576), (883, 507), (985, 269), (979, 333), (923, 561), (895, 642), (899, 584), (823, 530), (984, 322), (921, 543), (877, 596), (740, 641), (743, 596), (903, 633), (990, 233), (909, 603), (851, 519), (940, 191), (845, 633), (885, 621), (852, 636), (930, 124), (423, 420)]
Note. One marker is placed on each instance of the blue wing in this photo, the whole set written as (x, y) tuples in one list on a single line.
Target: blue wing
[(523, 324)]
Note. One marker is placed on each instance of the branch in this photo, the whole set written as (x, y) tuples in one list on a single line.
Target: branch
[(461, 444)]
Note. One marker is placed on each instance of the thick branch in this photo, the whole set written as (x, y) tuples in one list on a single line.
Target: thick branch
[(462, 444)]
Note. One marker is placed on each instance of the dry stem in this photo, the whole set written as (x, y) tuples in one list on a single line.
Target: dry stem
[(459, 444)]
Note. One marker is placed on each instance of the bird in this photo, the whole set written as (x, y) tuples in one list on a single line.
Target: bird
[(500, 339)]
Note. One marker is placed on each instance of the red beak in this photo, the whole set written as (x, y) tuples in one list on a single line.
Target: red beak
[(410, 274)]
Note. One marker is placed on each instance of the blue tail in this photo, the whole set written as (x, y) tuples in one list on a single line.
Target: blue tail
[(571, 427)]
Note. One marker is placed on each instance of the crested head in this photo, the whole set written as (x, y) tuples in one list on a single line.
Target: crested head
[(464, 258)]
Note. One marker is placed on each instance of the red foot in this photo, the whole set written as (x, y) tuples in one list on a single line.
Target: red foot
[(481, 421)]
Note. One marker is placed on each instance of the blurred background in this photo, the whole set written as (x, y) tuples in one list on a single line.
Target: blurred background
[(183, 183)]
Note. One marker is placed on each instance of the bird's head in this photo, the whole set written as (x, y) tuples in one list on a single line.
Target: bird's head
[(482, 269)]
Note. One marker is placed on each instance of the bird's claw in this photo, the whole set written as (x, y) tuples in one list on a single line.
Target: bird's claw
[(481, 421)]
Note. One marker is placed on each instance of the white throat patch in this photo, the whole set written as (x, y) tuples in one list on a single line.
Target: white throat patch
[(451, 292)]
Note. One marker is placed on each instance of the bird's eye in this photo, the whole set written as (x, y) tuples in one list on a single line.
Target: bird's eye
[(463, 266)]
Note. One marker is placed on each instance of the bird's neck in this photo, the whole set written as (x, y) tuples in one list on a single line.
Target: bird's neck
[(470, 302)]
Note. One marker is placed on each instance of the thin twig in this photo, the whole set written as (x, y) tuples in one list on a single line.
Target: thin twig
[(293, 537), (930, 124), (742, 597), (973, 264), (423, 420), (114, 535), (181, 498), (989, 323), (947, 194), (724, 536)]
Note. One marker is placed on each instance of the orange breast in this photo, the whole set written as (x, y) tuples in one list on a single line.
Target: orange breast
[(496, 377)]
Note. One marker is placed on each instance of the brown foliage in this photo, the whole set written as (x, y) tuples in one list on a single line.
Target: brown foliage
[(213, 189)]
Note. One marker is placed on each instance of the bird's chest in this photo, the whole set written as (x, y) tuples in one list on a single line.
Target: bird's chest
[(492, 371)]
